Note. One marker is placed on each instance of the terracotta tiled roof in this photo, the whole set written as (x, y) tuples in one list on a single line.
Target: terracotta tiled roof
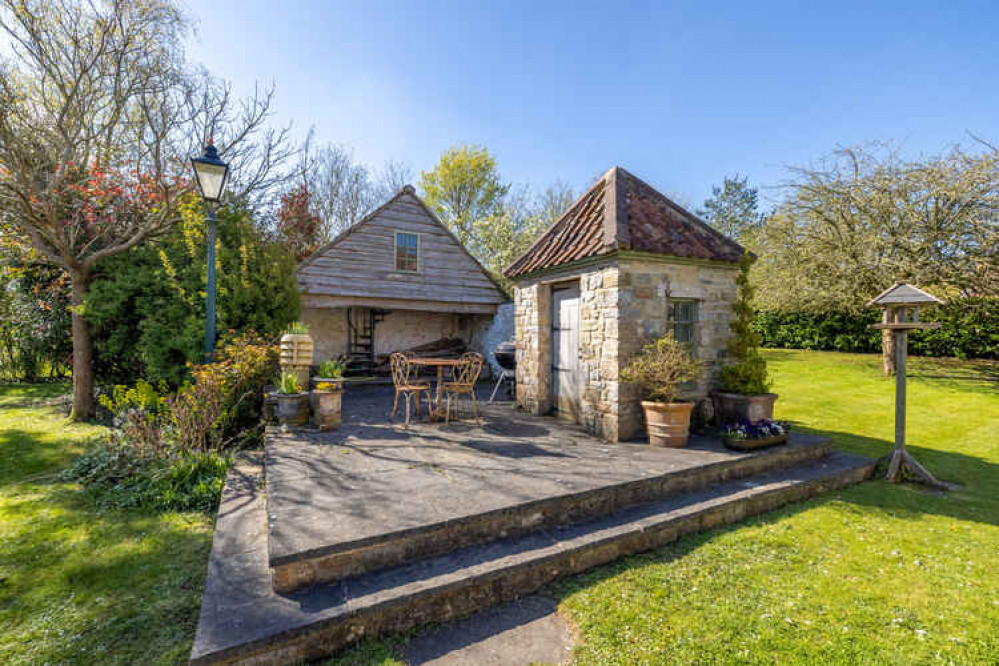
[(621, 212)]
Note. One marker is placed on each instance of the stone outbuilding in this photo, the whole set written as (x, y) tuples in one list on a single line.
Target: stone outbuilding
[(396, 280), (622, 266)]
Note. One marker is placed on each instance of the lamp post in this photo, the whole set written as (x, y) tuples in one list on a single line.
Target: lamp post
[(900, 305), (211, 174)]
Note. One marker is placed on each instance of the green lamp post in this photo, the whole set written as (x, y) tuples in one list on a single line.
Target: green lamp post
[(211, 174)]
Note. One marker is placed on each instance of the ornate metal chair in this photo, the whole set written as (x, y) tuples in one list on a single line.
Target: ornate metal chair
[(462, 384), (407, 385)]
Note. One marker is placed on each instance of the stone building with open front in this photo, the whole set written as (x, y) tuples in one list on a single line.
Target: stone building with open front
[(622, 266), (396, 280)]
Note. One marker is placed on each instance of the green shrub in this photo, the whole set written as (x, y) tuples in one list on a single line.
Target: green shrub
[(661, 367), (970, 329), (147, 306), (331, 368), (288, 384), (120, 477), (747, 373)]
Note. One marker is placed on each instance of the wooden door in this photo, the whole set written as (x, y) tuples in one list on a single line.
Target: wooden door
[(567, 385)]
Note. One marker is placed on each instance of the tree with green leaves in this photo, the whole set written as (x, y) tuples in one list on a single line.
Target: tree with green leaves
[(732, 208), (465, 190), (98, 114)]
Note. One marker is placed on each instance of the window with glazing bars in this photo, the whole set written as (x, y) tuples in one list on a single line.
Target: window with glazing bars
[(407, 252), (683, 314)]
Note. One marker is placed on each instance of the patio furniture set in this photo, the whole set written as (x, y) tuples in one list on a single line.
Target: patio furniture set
[(449, 392)]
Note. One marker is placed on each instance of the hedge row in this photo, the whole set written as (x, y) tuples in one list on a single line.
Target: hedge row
[(970, 329)]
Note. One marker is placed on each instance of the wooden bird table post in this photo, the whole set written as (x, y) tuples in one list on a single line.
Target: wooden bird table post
[(900, 307)]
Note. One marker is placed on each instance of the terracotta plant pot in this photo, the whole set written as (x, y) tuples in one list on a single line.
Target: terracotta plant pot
[(668, 423), (292, 409), (325, 409), (736, 407)]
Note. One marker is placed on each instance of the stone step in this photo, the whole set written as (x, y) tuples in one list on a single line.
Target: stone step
[(244, 621), (294, 567)]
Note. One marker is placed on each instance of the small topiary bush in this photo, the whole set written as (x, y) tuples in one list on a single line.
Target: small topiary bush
[(747, 373)]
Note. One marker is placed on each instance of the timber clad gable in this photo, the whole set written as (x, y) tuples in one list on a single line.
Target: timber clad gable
[(360, 266)]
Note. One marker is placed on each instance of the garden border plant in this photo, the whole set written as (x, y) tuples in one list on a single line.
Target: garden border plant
[(171, 452)]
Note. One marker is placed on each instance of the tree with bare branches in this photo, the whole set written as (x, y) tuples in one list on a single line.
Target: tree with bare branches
[(865, 218), (98, 112)]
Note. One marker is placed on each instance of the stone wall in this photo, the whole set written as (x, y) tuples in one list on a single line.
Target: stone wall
[(401, 329), (644, 293), (328, 328), (623, 304), (598, 348), (533, 335)]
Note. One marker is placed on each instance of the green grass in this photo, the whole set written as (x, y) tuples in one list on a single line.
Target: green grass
[(78, 585), (875, 574)]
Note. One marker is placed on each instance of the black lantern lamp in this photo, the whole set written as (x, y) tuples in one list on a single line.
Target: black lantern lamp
[(211, 173)]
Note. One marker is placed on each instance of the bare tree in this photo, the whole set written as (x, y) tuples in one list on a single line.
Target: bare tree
[(865, 218), (340, 188), (98, 113), (393, 176)]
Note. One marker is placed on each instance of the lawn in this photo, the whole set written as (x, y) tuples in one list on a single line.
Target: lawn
[(78, 585), (873, 574)]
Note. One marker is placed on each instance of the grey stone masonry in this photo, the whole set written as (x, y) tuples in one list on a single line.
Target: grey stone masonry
[(624, 304)]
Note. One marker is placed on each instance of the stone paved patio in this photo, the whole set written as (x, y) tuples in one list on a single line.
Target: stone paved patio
[(374, 482), (377, 528)]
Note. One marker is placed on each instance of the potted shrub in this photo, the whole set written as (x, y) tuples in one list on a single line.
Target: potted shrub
[(743, 392), (325, 399), (292, 406), (747, 435), (296, 352), (659, 370), (330, 371)]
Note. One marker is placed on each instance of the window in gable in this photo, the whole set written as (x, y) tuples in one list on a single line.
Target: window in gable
[(407, 252)]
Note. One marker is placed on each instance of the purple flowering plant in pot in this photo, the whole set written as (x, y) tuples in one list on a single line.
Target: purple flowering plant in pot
[(746, 435)]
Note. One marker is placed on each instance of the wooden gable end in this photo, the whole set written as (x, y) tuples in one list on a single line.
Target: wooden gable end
[(360, 266)]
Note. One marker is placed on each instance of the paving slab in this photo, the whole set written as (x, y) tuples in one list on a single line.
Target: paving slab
[(518, 633), (243, 620), (373, 481)]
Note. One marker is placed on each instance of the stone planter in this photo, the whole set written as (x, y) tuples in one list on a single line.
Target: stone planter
[(336, 381), (325, 409), (270, 405), (292, 409), (736, 407), (668, 423), (296, 355), (753, 444)]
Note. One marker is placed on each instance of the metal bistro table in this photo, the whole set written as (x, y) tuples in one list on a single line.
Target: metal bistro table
[(440, 364)]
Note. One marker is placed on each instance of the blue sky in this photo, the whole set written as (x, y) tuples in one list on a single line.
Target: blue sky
[(681, 94)]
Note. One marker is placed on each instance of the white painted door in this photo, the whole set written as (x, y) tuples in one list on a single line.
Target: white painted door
[(566, 382)]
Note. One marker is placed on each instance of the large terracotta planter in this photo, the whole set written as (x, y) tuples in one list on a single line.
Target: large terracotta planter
[(325, 409), (292, 409), (668, 423), (296, 355), (736, 407)]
